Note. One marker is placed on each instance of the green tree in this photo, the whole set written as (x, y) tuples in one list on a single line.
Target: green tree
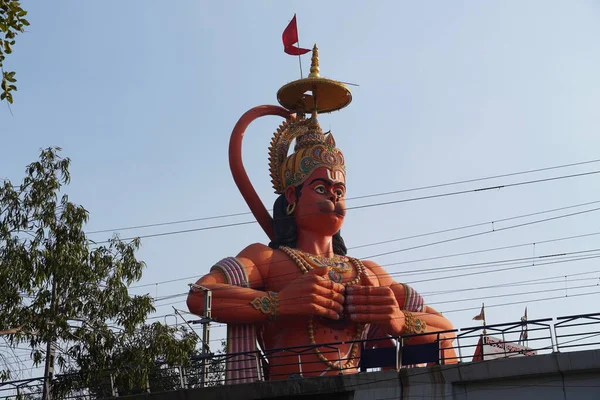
[(12, 22), (151, 357), (58, 287)]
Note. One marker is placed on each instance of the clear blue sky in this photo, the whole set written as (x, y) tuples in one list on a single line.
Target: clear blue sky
[(142, 96)]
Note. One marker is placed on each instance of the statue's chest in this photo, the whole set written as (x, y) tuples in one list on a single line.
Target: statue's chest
[(343, 270)]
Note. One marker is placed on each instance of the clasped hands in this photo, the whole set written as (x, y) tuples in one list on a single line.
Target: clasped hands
[(314, 294)]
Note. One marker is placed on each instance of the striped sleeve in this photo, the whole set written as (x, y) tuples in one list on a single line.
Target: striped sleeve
[(412, 300), (233, 270)]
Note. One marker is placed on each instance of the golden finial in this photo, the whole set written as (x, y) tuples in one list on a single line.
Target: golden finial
[(314, 63), (300, 95)]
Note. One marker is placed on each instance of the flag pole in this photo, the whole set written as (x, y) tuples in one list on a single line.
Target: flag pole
[(481, 317), (299, 58), (484, 323), (524, 331)]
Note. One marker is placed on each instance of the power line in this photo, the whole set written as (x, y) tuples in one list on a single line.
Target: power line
[(508, 294), (476, 179), (207, 228), (489, 264), (363, 196), (474, 225), (493, 249), (518, 262), (518, 283), (433, 196), (452, 276), (596, 292), (537, 281), (414, 260), (529, 292), (183, 221), (364, 206), (504, 269), (523, 302), (509, 284), (483, 233), (442, 241), (368, 205)]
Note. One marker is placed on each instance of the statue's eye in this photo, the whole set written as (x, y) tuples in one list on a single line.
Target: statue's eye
[(339, 193), (320, 189)]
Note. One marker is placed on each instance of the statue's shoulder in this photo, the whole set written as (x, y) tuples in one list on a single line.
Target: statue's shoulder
[(377, 272), (256, 250), (372, 266), (261, 254)]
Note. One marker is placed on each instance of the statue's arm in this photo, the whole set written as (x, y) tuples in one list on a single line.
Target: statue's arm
[(310, 294), (232, 303)]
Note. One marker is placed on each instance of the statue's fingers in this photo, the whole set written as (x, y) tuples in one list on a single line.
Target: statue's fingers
[(316, 309), (369, 291), (370, 300), (368, 317), (329, 294), (323, 301), (329, 284), (371, 309)]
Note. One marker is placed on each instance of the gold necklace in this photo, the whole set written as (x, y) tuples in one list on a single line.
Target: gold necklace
[(304, 266), (338, 263)]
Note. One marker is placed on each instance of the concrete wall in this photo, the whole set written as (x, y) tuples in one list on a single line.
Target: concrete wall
[(574, 375)]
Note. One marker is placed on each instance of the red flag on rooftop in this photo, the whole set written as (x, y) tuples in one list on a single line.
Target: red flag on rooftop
[(481, 315), (290, 38)]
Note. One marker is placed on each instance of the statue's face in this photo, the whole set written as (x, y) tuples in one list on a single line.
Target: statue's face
[(321, 207)]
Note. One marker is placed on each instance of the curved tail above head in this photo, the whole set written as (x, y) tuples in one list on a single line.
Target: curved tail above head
[(237, 167)]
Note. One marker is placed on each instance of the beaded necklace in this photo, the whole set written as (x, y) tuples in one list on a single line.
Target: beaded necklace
[(305, 266)]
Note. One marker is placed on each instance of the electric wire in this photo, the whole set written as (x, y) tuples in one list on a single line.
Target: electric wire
[(356, 197), (483, 233), (493, 249), (520, 267), (451, 239), (507, 185), (473, 225), (519, 263), (450, 277), (450, 311)]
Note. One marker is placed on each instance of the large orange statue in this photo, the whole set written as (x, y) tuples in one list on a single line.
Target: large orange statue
[(303, 289)]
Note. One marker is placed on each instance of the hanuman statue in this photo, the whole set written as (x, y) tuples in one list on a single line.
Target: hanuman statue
[(303, 289)]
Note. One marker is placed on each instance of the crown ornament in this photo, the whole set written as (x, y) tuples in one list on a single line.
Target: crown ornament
[(313, 148), (314, 93)]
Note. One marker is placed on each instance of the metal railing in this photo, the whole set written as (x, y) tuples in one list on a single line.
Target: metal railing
[(543, 336)]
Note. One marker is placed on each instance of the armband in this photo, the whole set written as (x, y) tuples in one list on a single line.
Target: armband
[(413, 325), (268, 304)]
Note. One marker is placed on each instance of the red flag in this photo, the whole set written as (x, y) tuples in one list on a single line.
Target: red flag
[(290, 37), (481, 315)]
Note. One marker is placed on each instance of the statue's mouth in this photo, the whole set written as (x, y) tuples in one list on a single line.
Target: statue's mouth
[(340, 212), (329, 207)]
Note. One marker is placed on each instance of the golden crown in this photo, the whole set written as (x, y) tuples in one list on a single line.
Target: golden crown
[(313, 149)]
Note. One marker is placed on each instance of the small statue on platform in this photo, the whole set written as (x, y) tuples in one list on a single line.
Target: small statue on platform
[(303, 289)]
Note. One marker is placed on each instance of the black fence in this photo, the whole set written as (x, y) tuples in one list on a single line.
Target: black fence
[(523, 338)]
